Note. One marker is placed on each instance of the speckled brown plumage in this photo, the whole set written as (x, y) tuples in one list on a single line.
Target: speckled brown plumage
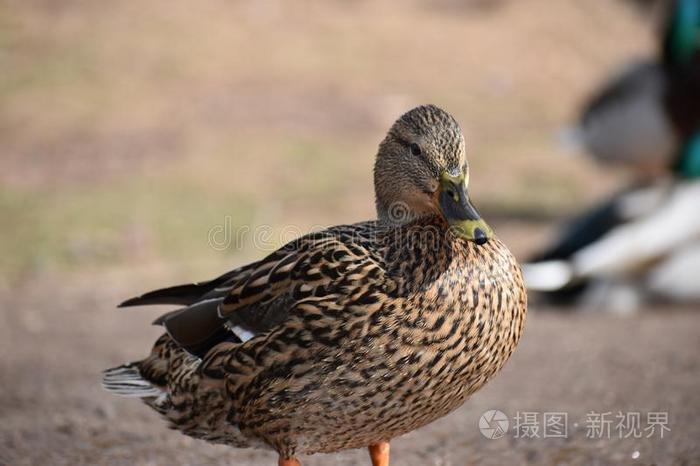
[(358, 334)]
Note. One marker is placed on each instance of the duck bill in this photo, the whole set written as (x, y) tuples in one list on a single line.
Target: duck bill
[(464, 220)]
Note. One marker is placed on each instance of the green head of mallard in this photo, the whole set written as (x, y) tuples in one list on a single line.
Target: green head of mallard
[(421, 169)]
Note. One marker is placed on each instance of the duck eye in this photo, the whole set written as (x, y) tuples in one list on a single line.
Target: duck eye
[(415, 149)]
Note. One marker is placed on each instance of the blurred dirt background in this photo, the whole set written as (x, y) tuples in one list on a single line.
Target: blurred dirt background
[(130, 132)]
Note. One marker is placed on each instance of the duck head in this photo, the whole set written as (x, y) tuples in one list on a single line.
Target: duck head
[(421, 170)]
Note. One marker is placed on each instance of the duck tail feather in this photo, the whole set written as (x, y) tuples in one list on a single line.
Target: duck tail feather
[(126, 380)]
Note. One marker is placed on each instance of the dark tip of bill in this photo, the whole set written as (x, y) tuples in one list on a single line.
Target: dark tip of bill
[(480, 237)]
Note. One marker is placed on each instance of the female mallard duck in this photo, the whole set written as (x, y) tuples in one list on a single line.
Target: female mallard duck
[(348, 337)]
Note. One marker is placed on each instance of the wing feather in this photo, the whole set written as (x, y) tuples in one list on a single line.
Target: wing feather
[(256, 298)]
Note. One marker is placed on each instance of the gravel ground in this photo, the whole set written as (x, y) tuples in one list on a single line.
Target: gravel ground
[(55, 341)]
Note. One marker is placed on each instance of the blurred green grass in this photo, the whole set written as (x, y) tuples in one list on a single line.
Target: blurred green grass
[(106, 224)]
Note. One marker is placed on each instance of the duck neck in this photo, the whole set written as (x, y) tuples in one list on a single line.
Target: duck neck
[(398, 213)]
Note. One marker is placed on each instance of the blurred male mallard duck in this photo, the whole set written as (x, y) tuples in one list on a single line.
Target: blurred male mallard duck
[(348, 337), (649, 114), (638, 242)]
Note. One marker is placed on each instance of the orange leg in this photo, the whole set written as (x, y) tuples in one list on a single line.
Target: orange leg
[(288, 462), (379, 452)]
